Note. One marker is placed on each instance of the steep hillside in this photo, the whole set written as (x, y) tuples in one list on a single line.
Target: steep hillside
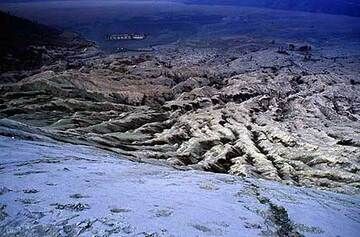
[(26, 46)]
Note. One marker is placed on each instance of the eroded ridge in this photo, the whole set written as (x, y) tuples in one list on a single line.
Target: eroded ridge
[(238, 106)]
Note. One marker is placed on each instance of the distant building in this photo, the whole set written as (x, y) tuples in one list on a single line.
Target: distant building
[(126, 36)]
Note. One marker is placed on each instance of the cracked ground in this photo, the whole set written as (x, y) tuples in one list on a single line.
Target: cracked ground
[(262, 113)]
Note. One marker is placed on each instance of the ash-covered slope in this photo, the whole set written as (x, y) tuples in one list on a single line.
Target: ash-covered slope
[(55, 189)]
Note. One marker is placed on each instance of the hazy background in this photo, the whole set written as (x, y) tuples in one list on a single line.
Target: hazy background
[(183, 20), (346, 7)]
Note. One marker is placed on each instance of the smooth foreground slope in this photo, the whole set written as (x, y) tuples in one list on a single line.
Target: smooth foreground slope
[(55, 189)]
